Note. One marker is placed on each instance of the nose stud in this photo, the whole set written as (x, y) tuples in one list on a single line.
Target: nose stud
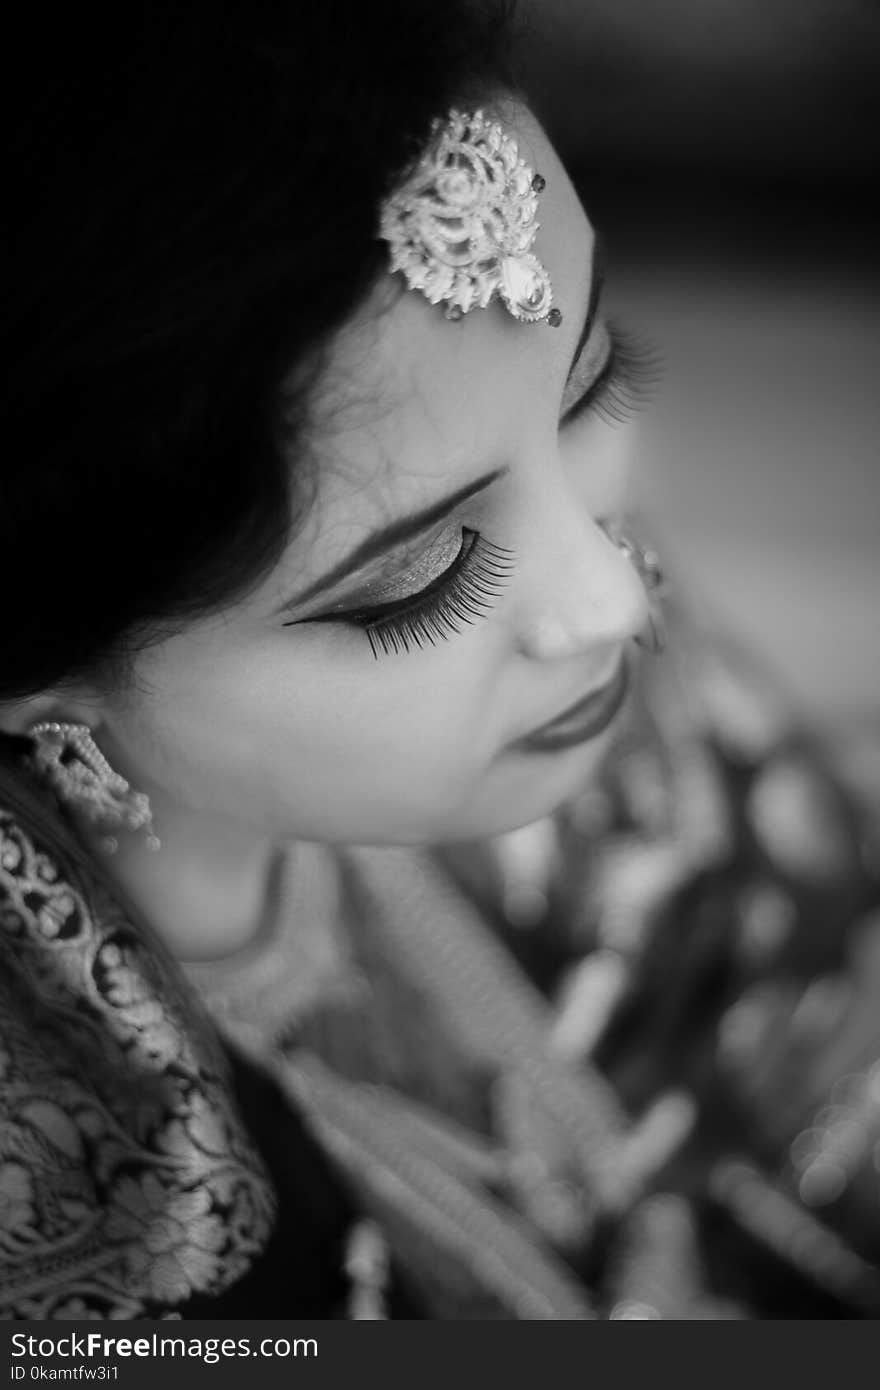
[(646, 564)]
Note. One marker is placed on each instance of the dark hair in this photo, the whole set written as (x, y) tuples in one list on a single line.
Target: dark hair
[(194, 191)]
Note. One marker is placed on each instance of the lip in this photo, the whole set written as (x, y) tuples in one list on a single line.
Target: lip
[(584, 720)]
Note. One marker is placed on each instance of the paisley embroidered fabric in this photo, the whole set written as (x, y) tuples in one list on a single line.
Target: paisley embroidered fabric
[(127, 1180)]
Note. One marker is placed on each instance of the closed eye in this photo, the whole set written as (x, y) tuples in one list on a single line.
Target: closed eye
[(465, 591), (624, 383)]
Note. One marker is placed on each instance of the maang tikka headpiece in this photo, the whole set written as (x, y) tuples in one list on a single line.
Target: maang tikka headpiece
[(462, 222)]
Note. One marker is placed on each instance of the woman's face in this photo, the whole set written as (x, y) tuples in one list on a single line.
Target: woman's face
[(311, 729)]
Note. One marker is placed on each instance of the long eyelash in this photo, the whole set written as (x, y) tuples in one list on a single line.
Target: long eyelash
[(463, 593), (629, 379)]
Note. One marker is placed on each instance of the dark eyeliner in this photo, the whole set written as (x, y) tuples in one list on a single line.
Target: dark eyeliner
[(626, 381), (463, 592)]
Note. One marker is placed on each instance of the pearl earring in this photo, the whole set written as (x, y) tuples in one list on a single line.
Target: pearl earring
[(68, 758), (646, 564)]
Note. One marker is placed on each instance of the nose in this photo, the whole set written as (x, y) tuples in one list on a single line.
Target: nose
[(584, 594)]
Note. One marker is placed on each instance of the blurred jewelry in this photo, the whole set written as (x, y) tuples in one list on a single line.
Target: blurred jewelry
[(461, 224), (367, 1261), (646, 564), (68, 758)]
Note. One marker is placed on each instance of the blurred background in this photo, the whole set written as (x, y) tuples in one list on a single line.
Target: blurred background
[(727, 151)]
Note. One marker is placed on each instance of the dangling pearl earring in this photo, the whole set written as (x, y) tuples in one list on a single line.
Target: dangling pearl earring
[(73, 764)]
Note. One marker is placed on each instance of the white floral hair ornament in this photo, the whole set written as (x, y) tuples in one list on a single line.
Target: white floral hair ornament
[(463, 220)]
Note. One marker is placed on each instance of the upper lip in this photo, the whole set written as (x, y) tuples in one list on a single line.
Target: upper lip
[(582, 699)]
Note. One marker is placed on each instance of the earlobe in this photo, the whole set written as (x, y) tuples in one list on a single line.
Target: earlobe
[(16, 716), (64, 706)]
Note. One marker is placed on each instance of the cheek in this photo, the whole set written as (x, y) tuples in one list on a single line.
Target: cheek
[(405, 725), (276, 731)]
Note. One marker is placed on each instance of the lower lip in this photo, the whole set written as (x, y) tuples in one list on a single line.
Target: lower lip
[(586, 720)]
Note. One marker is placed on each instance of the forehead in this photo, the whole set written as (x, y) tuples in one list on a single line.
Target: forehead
[(412, 404)]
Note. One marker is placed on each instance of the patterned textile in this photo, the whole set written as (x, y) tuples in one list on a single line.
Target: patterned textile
[(127, 1183), (624, 1062)]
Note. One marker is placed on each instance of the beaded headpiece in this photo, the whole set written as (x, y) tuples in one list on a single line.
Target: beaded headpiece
[(463, 220)]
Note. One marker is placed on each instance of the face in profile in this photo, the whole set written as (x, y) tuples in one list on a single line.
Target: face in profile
[(450, 590)]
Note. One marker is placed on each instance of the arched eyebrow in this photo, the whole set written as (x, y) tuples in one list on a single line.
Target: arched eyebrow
[(406, 528)]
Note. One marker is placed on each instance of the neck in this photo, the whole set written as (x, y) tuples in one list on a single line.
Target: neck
[(205, 891)]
